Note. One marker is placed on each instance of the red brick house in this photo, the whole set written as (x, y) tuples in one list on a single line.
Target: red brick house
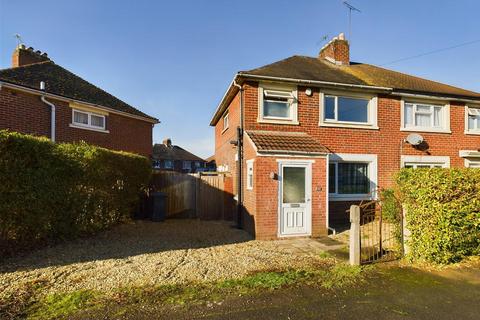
[(40, 97), (316, 134)]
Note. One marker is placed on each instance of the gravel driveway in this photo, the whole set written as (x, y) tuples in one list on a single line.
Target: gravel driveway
[(146, 253)]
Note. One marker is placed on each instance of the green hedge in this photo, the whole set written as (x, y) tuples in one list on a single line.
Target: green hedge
[(443, 213), (55, 191)]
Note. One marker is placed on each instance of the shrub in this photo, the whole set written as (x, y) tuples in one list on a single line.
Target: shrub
[(443, 213), (54, 191)]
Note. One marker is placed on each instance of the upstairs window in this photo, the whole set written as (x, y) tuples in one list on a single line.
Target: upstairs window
[(225, 122), (278, 106), (88, 120), (346, 109), (473, 120), (425, 117)]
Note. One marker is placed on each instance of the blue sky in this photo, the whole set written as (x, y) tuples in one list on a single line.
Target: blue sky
[(174, 59)]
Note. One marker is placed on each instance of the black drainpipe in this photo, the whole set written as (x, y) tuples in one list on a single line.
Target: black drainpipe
[(240, 160)]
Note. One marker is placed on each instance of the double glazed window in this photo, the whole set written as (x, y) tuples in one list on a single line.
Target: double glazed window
[(346, 109), (88, 119), (422, 165), (225, 122), (187, 165), (423, 116), (277, 105), (168, 164), (349, 178), (473, 119)]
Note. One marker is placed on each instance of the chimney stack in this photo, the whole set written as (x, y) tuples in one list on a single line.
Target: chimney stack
[(23, 56), (337, 51), (168, 142)]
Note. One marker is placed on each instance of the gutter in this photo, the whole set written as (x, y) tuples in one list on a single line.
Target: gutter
[(300, 81), (315, 82), (68, 100), (424, 96)]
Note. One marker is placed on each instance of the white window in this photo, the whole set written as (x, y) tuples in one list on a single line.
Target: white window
[(168, 164), (277, 105), (352, 177), (250, 174), (418, 162), (425, 117), (472, 163), (88, 120), (472, 119), (225, 122), (348, 110), (187, 165)]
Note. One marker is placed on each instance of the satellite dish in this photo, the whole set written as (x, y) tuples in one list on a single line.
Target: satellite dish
[(414, 139)]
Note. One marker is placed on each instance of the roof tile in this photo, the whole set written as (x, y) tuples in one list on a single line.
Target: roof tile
[(288, 142)]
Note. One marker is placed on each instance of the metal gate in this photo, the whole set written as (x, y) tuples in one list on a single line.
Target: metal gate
[(381, 236)]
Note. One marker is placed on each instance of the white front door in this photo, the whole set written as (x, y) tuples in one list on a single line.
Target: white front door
[(295, 198)]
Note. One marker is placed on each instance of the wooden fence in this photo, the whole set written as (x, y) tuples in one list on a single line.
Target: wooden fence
[(201, 195)]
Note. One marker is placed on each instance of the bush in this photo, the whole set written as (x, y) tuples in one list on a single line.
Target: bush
[(443, 213), (55, 191)]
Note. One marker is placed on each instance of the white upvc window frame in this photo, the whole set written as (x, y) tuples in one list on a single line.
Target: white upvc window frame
[(226, 122), (471, 157), (185, 166), (168, 161), (443, 161), (372, 110), (370, 159), (89, 125), (472, 163), (250, 174), (470, 110), (283, 91), (444, 116)]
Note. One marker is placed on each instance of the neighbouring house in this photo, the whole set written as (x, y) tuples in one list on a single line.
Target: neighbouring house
[(167, 156), (42, 98), (210, 163), (318, 134)]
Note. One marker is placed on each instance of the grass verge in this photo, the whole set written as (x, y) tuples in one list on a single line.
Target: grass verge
[(62, 305)]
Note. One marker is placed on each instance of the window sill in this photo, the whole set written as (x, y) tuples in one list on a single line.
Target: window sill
[(350, 197), (88, 128), (425, 130), (288, 122), (473, 133), (224, 130), (348, 125)]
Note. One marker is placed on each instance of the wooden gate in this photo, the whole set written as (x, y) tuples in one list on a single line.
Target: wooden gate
[(201, 195), (381, 237)]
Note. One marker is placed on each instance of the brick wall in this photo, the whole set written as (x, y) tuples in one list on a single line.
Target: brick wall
[(25, 113)]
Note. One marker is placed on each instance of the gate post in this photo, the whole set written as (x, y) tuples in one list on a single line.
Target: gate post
[(354, 250)]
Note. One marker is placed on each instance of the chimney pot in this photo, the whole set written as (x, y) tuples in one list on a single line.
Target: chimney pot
[(23, 57), (167, 142), (336, 51)]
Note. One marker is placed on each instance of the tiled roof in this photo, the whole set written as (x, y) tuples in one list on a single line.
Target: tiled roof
[(315, 69), (164, 152), (62, 82), (287, 142)]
